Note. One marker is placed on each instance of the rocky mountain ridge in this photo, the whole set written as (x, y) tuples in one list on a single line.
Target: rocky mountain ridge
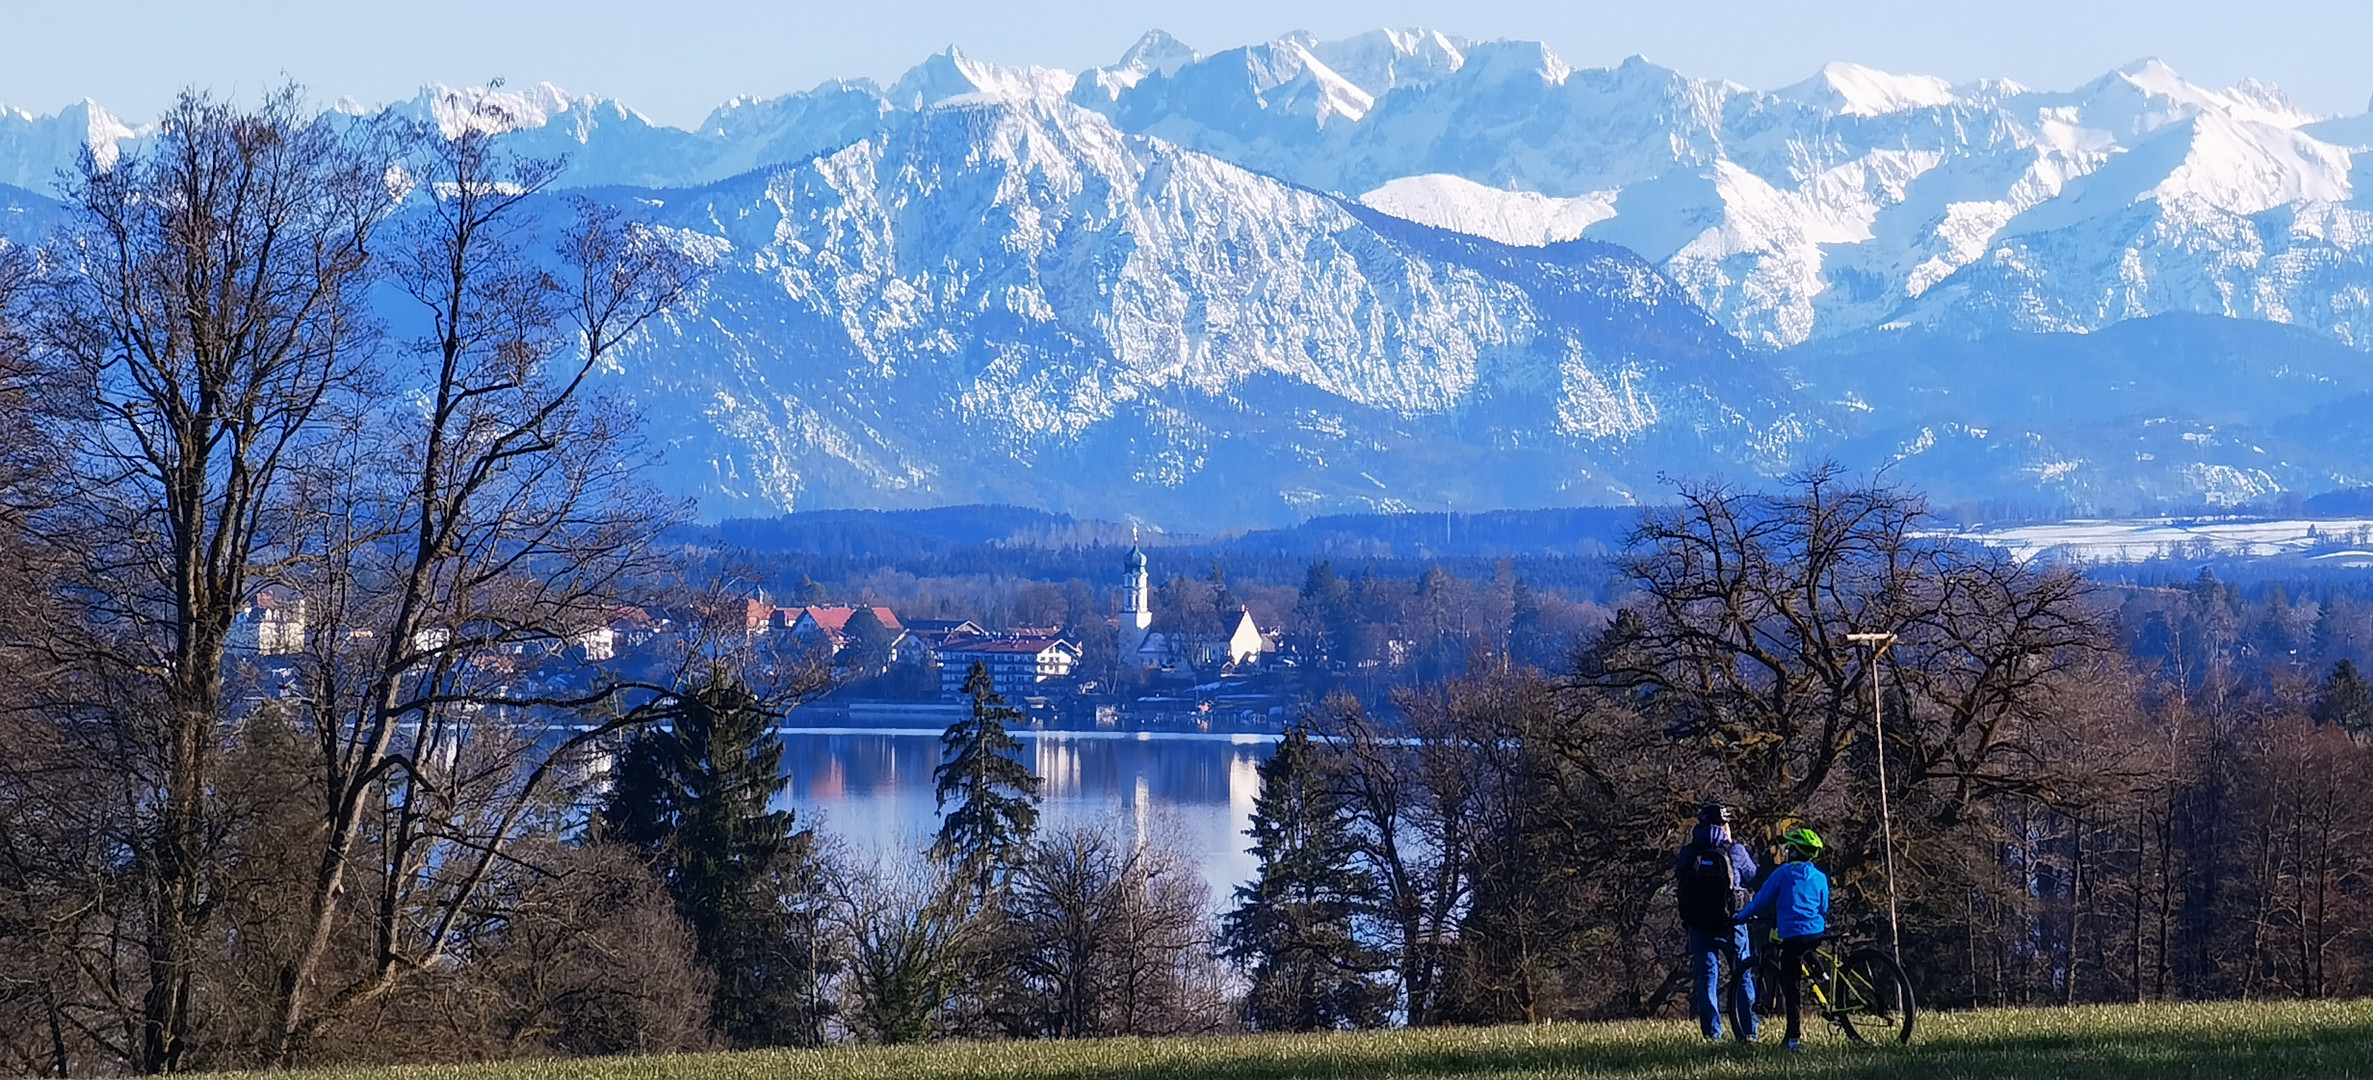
[(1408, 271)]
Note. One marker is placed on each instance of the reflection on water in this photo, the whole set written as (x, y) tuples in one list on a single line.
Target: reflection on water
[(1191, 792)]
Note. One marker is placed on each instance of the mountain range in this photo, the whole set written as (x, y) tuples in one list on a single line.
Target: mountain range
[(1408, 271)]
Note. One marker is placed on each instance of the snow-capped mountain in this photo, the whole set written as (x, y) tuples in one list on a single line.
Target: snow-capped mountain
[(1407, 269), (1853, 199), (1008, 298), (1844, 201)]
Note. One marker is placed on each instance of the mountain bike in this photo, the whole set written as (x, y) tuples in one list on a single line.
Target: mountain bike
[(1863, 993)]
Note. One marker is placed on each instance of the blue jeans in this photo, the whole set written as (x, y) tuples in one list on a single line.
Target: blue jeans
[(1706, 952)]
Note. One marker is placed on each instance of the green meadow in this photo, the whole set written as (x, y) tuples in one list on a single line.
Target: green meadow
[(2268, 1041)]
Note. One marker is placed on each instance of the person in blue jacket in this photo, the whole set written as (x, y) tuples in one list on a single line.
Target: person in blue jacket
[(1796, 895), (1708, 874)]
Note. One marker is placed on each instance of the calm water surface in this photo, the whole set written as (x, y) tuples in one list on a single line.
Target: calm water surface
[(1190, 792)]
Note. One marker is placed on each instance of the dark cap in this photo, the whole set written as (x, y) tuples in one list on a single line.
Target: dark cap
[(1713, 813)]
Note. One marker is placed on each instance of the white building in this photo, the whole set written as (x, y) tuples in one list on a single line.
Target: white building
[(272, 625), (1016, 666), (597, 643), (1243, 645)]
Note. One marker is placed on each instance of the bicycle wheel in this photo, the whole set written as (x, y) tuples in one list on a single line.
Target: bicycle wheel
[(1763, 976), (1874, 999)]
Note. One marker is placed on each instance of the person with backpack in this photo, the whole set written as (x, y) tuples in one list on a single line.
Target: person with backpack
[(1710, 881), (1796, 895)]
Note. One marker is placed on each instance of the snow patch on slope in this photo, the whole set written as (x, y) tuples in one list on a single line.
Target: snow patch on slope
[(1520, 218)]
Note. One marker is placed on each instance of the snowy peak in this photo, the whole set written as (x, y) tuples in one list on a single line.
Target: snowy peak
[(951, 75), (491, 109), (1831, 205), (1519, 62), (1854, 90), (2242, 167), (1151, 282), (2146, 95), (2155, 80), (1157, 52), (1384, 60), (1028, 305), (1285, 76), (36, 150)]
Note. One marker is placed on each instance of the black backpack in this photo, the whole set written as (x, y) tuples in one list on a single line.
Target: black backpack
[(1711, 893)]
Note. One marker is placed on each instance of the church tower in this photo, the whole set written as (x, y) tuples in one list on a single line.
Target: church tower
[(1137, 609)]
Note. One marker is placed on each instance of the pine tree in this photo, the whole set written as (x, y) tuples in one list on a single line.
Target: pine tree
[(995, 796), (696, 801), (1293, 926), (2345, 699)]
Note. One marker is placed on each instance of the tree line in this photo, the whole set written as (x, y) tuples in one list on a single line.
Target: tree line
[(2099, 794)]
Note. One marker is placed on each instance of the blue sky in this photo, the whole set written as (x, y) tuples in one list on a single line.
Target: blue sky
[(676, 60)]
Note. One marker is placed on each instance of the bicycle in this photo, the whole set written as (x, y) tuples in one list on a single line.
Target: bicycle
[(1865, 995)]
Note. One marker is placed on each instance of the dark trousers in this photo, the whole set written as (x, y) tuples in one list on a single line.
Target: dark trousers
[(1792, 953)]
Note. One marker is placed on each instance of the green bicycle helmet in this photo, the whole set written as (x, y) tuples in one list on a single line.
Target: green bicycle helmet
[(1803, 843)]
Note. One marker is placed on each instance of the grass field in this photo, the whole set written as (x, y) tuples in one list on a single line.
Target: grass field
[(2256, 1041)]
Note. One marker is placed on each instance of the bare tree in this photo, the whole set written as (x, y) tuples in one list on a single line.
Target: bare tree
[(500, 512), (1106, 938), (204, 323), (1738, 638), (1412, 794), (903, 927)]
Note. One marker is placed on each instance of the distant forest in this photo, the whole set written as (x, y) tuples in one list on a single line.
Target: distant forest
[(1563, 550)]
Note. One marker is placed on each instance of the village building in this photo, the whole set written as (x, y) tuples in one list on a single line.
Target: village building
[(829, 626), (939, 631), (761, 616), (1017, 666), (1244, 645), (1142, 645), (632, 626), (922, 639), (595, 643), (273, 624)]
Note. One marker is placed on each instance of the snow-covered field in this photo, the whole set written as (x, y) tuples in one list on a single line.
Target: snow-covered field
[(2139, 539)]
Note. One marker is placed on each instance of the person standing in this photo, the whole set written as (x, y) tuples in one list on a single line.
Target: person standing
[(1796, 896), (1711, 875)]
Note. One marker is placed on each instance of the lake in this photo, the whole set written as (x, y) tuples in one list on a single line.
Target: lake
[(1189, 791)]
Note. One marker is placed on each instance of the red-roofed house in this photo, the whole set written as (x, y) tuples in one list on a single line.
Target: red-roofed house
[(831, 624), (759, 616)]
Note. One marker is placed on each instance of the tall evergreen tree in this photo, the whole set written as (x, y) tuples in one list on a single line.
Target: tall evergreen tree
[(696, 800), (2345, 699), (1294, 925), (1524, 625), (995, 796)]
